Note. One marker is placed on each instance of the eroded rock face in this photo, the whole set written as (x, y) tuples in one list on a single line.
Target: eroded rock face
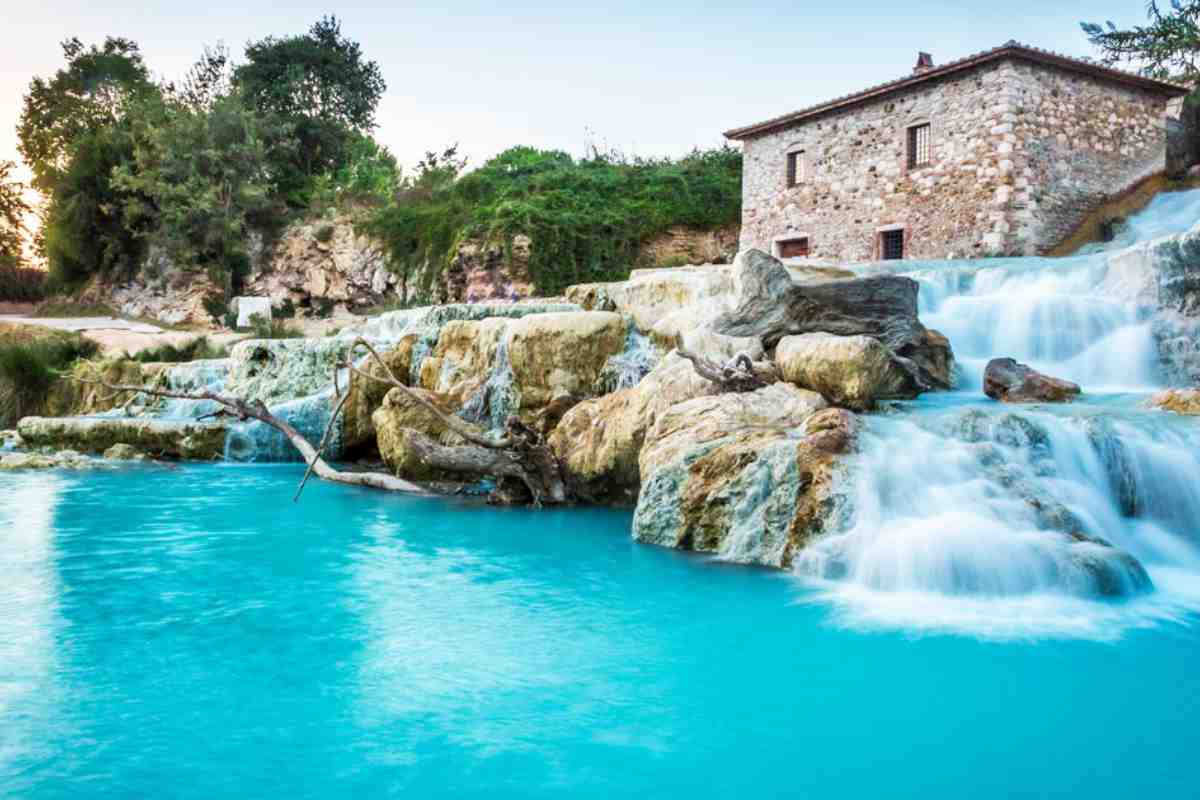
[(1009, 381), (1181, 401), (366, 396), (397, 419), (161, 438), (751, 477), (562, 355), (849, 371), (599, 440)]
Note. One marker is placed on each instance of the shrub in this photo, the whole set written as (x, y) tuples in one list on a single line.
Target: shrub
[(274, 328), (587, 218), (30, 366), (21, 285), (324, 233), (192, 350)]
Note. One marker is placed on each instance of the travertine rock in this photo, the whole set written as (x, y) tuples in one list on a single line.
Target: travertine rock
[(849, 371)]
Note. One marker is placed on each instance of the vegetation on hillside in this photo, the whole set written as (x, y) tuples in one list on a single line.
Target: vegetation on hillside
[(194, 171), (31, 360), (587, 217), (202, 173)]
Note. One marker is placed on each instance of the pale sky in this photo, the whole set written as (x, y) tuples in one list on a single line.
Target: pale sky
[(648, 78)]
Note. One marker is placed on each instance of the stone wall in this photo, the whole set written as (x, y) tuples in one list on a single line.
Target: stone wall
[(1076, 142), (1018, 155)]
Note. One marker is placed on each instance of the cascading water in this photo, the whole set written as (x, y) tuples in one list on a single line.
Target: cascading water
[(962, 512)]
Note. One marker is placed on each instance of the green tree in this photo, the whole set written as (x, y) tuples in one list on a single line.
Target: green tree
[(319, 80), (13, 209), (85, 230), (201, 182), (1168, 47), (90, 93)]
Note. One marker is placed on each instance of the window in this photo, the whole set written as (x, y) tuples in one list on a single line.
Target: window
[(918, 146), (795, 168), (794, 248), (891, 245)]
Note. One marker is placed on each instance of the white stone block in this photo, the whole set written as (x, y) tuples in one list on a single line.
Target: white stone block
[(247, 307)]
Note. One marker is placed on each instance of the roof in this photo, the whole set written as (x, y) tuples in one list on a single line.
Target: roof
[(1009, 49)]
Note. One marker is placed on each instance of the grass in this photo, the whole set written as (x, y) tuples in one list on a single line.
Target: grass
[(31, 361), (193, 350), (58, 308), (274, 328)]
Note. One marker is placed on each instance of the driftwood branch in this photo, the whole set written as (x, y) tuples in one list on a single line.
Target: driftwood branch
[(736, 375), (243, 410), (518, 454)]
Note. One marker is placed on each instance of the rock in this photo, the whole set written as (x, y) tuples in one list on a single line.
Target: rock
[(66, 459), (770, 305), (159, 437), (464, 356), (561, 355), (72, 398), (397, 419), (1007, 380), (1181, 401), (279, 370), (751, 477), (249, 307), (124, 452), (849, 371), (358, 429), (599, 440)]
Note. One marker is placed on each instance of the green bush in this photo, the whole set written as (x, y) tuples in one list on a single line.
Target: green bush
[(195, 349), (587, 218), (324, 233), (29, 368), (20, 285), (274, 328)]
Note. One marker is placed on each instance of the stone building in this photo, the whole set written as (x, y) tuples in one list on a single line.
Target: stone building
[(1000, 153)]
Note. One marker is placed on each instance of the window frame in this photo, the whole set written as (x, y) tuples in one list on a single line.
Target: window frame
[(912, 145), (781, 245), (795, 170), (896, 234)]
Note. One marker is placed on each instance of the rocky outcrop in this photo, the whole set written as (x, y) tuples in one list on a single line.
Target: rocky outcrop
[(358, 427), (750, 477), (70, 397), (682, 244), (849, 371), (395, 423), (62, 459), (1181, 401), (323, 262), (561, 357), (161, 438), (124, 452), (483, 271), (599, 441), (161, 292), (1009, 381)]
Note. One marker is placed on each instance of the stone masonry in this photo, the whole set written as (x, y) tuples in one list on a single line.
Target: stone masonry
[(1022, 144)]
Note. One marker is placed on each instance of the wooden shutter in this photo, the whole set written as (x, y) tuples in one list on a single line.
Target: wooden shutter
[(794, 248)]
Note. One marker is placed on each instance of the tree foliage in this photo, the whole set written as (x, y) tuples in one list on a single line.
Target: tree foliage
[(89, 93), (587, 218), (200, 183), (1166, 48), (13, 209), (320, 81)]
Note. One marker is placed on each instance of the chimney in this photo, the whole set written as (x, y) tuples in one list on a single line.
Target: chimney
[(924, 63)]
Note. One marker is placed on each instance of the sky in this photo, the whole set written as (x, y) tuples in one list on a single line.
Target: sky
[(649, 79)]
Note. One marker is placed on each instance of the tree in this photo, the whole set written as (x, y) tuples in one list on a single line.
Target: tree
[(13, 209), (209, 79), (201, 181), (91, 92), (85, 228), (1166, 48), (319, 80)]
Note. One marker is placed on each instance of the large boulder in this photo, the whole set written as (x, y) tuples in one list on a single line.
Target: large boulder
[(561, 356), (1010, 381), (161, 438), (599, 440), (1181, 401), (358, 429), (751, 477), (395, 422), (849, 371)]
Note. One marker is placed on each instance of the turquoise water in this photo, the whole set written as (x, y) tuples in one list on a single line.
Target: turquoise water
[(190, 633)]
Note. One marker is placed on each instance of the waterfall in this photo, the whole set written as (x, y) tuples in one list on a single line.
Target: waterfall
[(967, 513), (627, 368), (498, 399)]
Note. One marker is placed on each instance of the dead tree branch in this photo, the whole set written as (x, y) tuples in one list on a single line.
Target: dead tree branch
[(243, 410), (736, 375)]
